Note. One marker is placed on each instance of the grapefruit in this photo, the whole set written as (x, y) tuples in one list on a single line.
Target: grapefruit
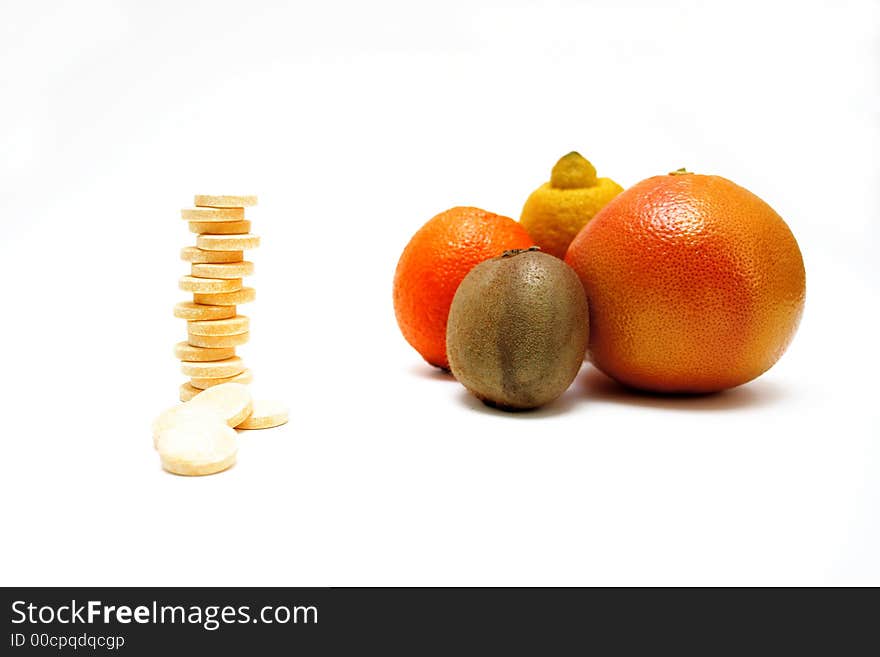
[(694, 284)]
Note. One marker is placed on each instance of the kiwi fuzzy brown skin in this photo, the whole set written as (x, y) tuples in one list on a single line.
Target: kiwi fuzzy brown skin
[(518, 330)]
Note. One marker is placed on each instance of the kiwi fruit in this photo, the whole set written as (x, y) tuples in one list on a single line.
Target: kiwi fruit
[(518, 329)]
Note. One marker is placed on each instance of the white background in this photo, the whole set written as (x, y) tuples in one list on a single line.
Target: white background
[(355, 123)]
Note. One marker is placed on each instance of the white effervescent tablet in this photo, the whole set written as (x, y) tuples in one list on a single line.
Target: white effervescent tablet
[(216, 369), (212, 214), (227, 242), (187, 392), (186, 351), (220, 227), (244, 295), (180, 414), (232, 401), (266, 414), (224, 201), (230, 326), (208, 285), (197, 447), (218, 341), (222, 269), (195, 312), (205, 382), (197, 255)]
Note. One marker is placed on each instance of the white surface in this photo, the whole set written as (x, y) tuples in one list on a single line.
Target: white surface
[(355, 123)]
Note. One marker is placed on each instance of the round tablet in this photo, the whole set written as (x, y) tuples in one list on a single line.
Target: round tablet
[(227, 242), (214, 341), (231, 326), (213, 369), (244, 295), (179, 414), (266, 414), (188, 352), (195, 254), (224, 201), (187, 392), (212, 214), (220, 227), (209, 285), (197, 312), (232, 401), (198, 447), (204, 383), (223, 269)]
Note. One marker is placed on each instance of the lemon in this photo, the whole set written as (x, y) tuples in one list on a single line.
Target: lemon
[(557, 210)]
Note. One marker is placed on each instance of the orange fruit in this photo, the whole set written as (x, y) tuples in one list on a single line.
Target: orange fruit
[(435, 261), (694, 284)]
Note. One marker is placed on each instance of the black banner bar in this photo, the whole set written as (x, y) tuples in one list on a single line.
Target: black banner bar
[(415, 621)]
